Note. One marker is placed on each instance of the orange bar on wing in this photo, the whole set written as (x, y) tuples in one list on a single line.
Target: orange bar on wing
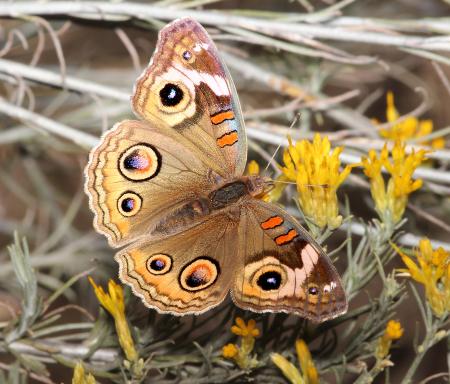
[(286, 238), (221, 117), (272, 222), (228, 139)]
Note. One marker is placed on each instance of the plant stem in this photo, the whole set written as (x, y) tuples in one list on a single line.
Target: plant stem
[(428, 342), (107, 10)]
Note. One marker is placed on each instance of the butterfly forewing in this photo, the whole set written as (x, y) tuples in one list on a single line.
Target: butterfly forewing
[(137, 175), (187, 85)]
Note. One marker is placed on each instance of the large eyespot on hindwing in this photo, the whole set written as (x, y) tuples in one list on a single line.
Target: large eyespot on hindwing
[(129, 204), (199, 274), (140, 162), (174, 97), (159, 264), (270, 277)]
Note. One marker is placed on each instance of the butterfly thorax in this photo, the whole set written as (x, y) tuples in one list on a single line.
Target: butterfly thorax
[(234, 191), (226, 196)]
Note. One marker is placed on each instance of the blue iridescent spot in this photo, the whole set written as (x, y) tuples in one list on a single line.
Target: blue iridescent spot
[(269, 280), (157, 264), (187, 55), (136, 161), (171, 95), (313, 290), (128, 204)]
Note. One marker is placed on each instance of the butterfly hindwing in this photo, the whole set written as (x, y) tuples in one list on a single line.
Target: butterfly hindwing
[(186, 273), (283, 268)]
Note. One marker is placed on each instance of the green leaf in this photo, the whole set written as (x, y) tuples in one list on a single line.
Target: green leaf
[(31, 306)]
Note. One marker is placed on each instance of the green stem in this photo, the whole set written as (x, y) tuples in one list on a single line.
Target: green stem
[(428, 342), (368, 377), (415, 364)]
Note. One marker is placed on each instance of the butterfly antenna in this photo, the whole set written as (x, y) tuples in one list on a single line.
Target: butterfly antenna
[(297, 117), (284, 182)]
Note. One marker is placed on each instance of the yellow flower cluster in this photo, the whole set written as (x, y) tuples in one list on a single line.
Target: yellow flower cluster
[(308, 375), (393, 331), (80, 377), (390, 201), (433, 272), (114, 303), (409, 128), (316, 171), (241, 355)]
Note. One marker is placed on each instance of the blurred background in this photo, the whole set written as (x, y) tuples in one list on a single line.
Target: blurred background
[(67, 71)]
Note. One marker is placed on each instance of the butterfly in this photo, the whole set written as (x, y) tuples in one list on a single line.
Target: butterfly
[(171, 188)]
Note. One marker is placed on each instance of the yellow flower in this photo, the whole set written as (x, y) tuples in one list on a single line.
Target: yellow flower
[(433, 272), (390, 201), (306, 363), (409, 128), (114, 303), (253, 168), (309, 373), (80, 377), (241, 355), (230, 351), (393, 331), (244, 330), (316, 171), (289, 370)]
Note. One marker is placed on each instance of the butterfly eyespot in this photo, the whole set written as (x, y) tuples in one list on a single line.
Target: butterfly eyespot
[(171, 95), (313, 290), (140, 162), (270, 280), (269, 276), (187, 55), (159, 264), (129, 204), (199, 274)]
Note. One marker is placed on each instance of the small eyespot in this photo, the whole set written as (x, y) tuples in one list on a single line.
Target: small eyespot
[(199, 274), (129, 204), (171, 95), (159, 264), (270, 280), (140, 162), (187, 55), (313, 290)]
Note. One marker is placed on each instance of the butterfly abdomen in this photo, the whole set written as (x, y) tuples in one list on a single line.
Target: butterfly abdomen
[(183, 217)]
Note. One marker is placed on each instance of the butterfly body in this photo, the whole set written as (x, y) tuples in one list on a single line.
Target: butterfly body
[(170, 187)]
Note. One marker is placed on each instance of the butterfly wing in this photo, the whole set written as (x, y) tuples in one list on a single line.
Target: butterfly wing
[(186, 273), (285, 269), (138, 174), (187, 86)]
